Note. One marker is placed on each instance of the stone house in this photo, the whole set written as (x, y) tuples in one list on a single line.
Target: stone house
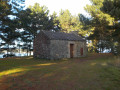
[(57, 45)]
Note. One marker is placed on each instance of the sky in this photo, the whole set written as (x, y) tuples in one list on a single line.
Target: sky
[(74, 6)]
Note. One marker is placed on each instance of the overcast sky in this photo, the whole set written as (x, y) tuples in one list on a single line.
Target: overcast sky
[(74, 6)]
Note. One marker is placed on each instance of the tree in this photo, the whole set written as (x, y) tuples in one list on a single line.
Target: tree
[(55, 21), (65, 20), (9, 8), (86, 25), (4, 9), (35, 18), (99, 22), (68, 23), (27, 40), (8, 23), (9, 35), (112, 7)]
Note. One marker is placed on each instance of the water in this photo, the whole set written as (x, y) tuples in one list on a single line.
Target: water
[(1, 55), (17, 54)]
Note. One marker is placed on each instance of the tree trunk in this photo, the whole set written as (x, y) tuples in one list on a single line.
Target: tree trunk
[(30, 48), (19, 50), (8, 49)]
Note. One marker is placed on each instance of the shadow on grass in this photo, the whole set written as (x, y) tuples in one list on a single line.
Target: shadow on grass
[(25, 74), (16, 62), (23, 69), (66, 73)]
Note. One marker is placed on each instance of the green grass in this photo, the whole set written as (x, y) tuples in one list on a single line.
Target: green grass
[(90, 73)]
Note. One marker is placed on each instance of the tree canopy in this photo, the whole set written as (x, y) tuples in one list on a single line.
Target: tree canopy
[(102, 28), (103, 20), (8, 20)]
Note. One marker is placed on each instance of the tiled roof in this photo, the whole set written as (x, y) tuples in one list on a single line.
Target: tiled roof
[(63, 36)]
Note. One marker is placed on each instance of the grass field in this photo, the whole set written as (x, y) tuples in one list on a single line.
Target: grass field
[(95, 72)]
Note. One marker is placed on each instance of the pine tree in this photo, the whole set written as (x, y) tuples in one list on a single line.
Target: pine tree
[(68, 22), (99, 23), (8, 21), (112, 7), (35, 18)]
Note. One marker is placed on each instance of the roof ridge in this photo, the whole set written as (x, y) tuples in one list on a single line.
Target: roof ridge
[(62, 36)]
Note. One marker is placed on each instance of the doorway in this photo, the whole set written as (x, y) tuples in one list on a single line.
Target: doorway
[(81, 51), (71, 50)]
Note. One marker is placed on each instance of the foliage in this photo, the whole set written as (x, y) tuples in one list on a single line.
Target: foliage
[(55, 21), (102, 28), (112, 7), (8, 20), (68, 22), (86, 25), (35, 18), (100, 22), (4, 9), (27, 38)]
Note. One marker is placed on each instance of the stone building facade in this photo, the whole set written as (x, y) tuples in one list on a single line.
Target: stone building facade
[(57, 45)]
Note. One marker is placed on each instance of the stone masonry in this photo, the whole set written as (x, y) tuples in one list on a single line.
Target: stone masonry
[(48, 45)]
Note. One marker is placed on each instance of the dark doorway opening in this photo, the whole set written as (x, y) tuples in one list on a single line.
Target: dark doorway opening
[(71, 50), (81, 51)]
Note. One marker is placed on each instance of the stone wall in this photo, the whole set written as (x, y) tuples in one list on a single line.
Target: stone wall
[(41, 46), (57, 49), (80, 45), (61, 49)]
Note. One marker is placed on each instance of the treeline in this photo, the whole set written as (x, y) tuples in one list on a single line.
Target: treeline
[(105, 25), (19, 26)]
